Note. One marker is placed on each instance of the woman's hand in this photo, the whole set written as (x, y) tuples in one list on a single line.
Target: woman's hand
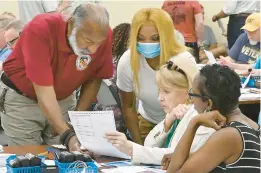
[(120, 141), (176, 113), (166, 160), (211, 119)]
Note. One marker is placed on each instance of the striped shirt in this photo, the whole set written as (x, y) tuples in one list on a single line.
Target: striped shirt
[(249, 161)]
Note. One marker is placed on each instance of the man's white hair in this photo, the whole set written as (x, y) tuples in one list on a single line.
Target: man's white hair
[(91, 12), (17, 25)]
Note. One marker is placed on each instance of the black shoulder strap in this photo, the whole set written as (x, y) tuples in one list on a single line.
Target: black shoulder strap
[(115, 94)]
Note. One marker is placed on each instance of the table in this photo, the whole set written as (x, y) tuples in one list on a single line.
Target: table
[(20, 150), (39, 149), (249, 102)]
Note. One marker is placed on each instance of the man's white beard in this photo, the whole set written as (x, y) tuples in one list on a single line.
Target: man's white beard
[(73, 43), (253, 42)]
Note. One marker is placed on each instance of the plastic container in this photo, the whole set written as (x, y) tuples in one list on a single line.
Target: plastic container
[(68, 167), (33, 169)]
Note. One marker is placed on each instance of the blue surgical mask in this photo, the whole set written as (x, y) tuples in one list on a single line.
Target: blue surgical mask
[(149, 50)]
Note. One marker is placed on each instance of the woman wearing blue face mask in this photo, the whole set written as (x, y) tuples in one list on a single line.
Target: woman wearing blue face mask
[(151, 45)]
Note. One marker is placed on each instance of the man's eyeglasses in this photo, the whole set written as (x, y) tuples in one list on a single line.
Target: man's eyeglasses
[(10, 43), (191, 95)]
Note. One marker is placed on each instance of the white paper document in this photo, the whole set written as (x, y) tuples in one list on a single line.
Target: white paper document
[(211, 57), (90, 128)]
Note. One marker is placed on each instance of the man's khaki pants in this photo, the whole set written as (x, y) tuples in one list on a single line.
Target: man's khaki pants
[(23, 121)]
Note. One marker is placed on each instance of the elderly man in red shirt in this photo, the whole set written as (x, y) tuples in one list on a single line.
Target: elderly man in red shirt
[(54, 55)]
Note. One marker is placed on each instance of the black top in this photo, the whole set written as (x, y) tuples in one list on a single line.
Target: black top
[(249, 161)]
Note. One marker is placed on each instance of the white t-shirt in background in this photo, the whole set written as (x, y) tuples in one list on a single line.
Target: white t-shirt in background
[(241, 6), (29, 9), (149, 105)]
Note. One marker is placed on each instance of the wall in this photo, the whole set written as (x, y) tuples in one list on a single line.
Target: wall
[(122, 11), (10, 6)]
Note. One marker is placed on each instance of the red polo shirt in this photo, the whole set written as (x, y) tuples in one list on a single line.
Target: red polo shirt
[(42, 55)]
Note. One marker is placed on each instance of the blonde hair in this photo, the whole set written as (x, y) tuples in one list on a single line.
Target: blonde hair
[(180, 74), (166, 78), (169, 46)]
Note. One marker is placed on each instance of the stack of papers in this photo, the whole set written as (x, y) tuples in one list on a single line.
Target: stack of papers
[(247, 95), (133, 169), (127, 166)]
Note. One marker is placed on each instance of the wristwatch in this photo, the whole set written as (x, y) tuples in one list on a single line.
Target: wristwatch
[(69, 124)]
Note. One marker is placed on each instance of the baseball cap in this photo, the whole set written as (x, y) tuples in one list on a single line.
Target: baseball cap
[(252, 22)]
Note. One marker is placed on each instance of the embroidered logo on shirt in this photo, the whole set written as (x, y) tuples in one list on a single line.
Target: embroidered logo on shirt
[(156, 135), (82, 62)]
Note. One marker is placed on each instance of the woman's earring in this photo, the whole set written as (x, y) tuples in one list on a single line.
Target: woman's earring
[(207, 110)]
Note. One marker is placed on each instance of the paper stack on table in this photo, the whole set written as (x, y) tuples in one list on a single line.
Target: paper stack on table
[(133, 169), (90, 128), (247, 95)]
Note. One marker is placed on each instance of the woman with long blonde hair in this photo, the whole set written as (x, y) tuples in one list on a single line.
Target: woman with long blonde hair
[(151, 45)]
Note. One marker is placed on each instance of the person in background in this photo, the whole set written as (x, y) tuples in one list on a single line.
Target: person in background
[(209, 43), (29, 9), (52, 57), (244, 70), (173, 80), (121, 34), (12, 32), (72, 4), (237, 11), (108, 95), (187, 18), (5, 19), (246, 49), (152, 43), (235, 146)]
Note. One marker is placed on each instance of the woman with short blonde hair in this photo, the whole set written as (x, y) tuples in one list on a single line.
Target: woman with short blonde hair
[(173, 80)]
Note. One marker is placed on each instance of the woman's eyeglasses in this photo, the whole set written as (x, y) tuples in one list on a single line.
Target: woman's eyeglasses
[(191, 95)]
